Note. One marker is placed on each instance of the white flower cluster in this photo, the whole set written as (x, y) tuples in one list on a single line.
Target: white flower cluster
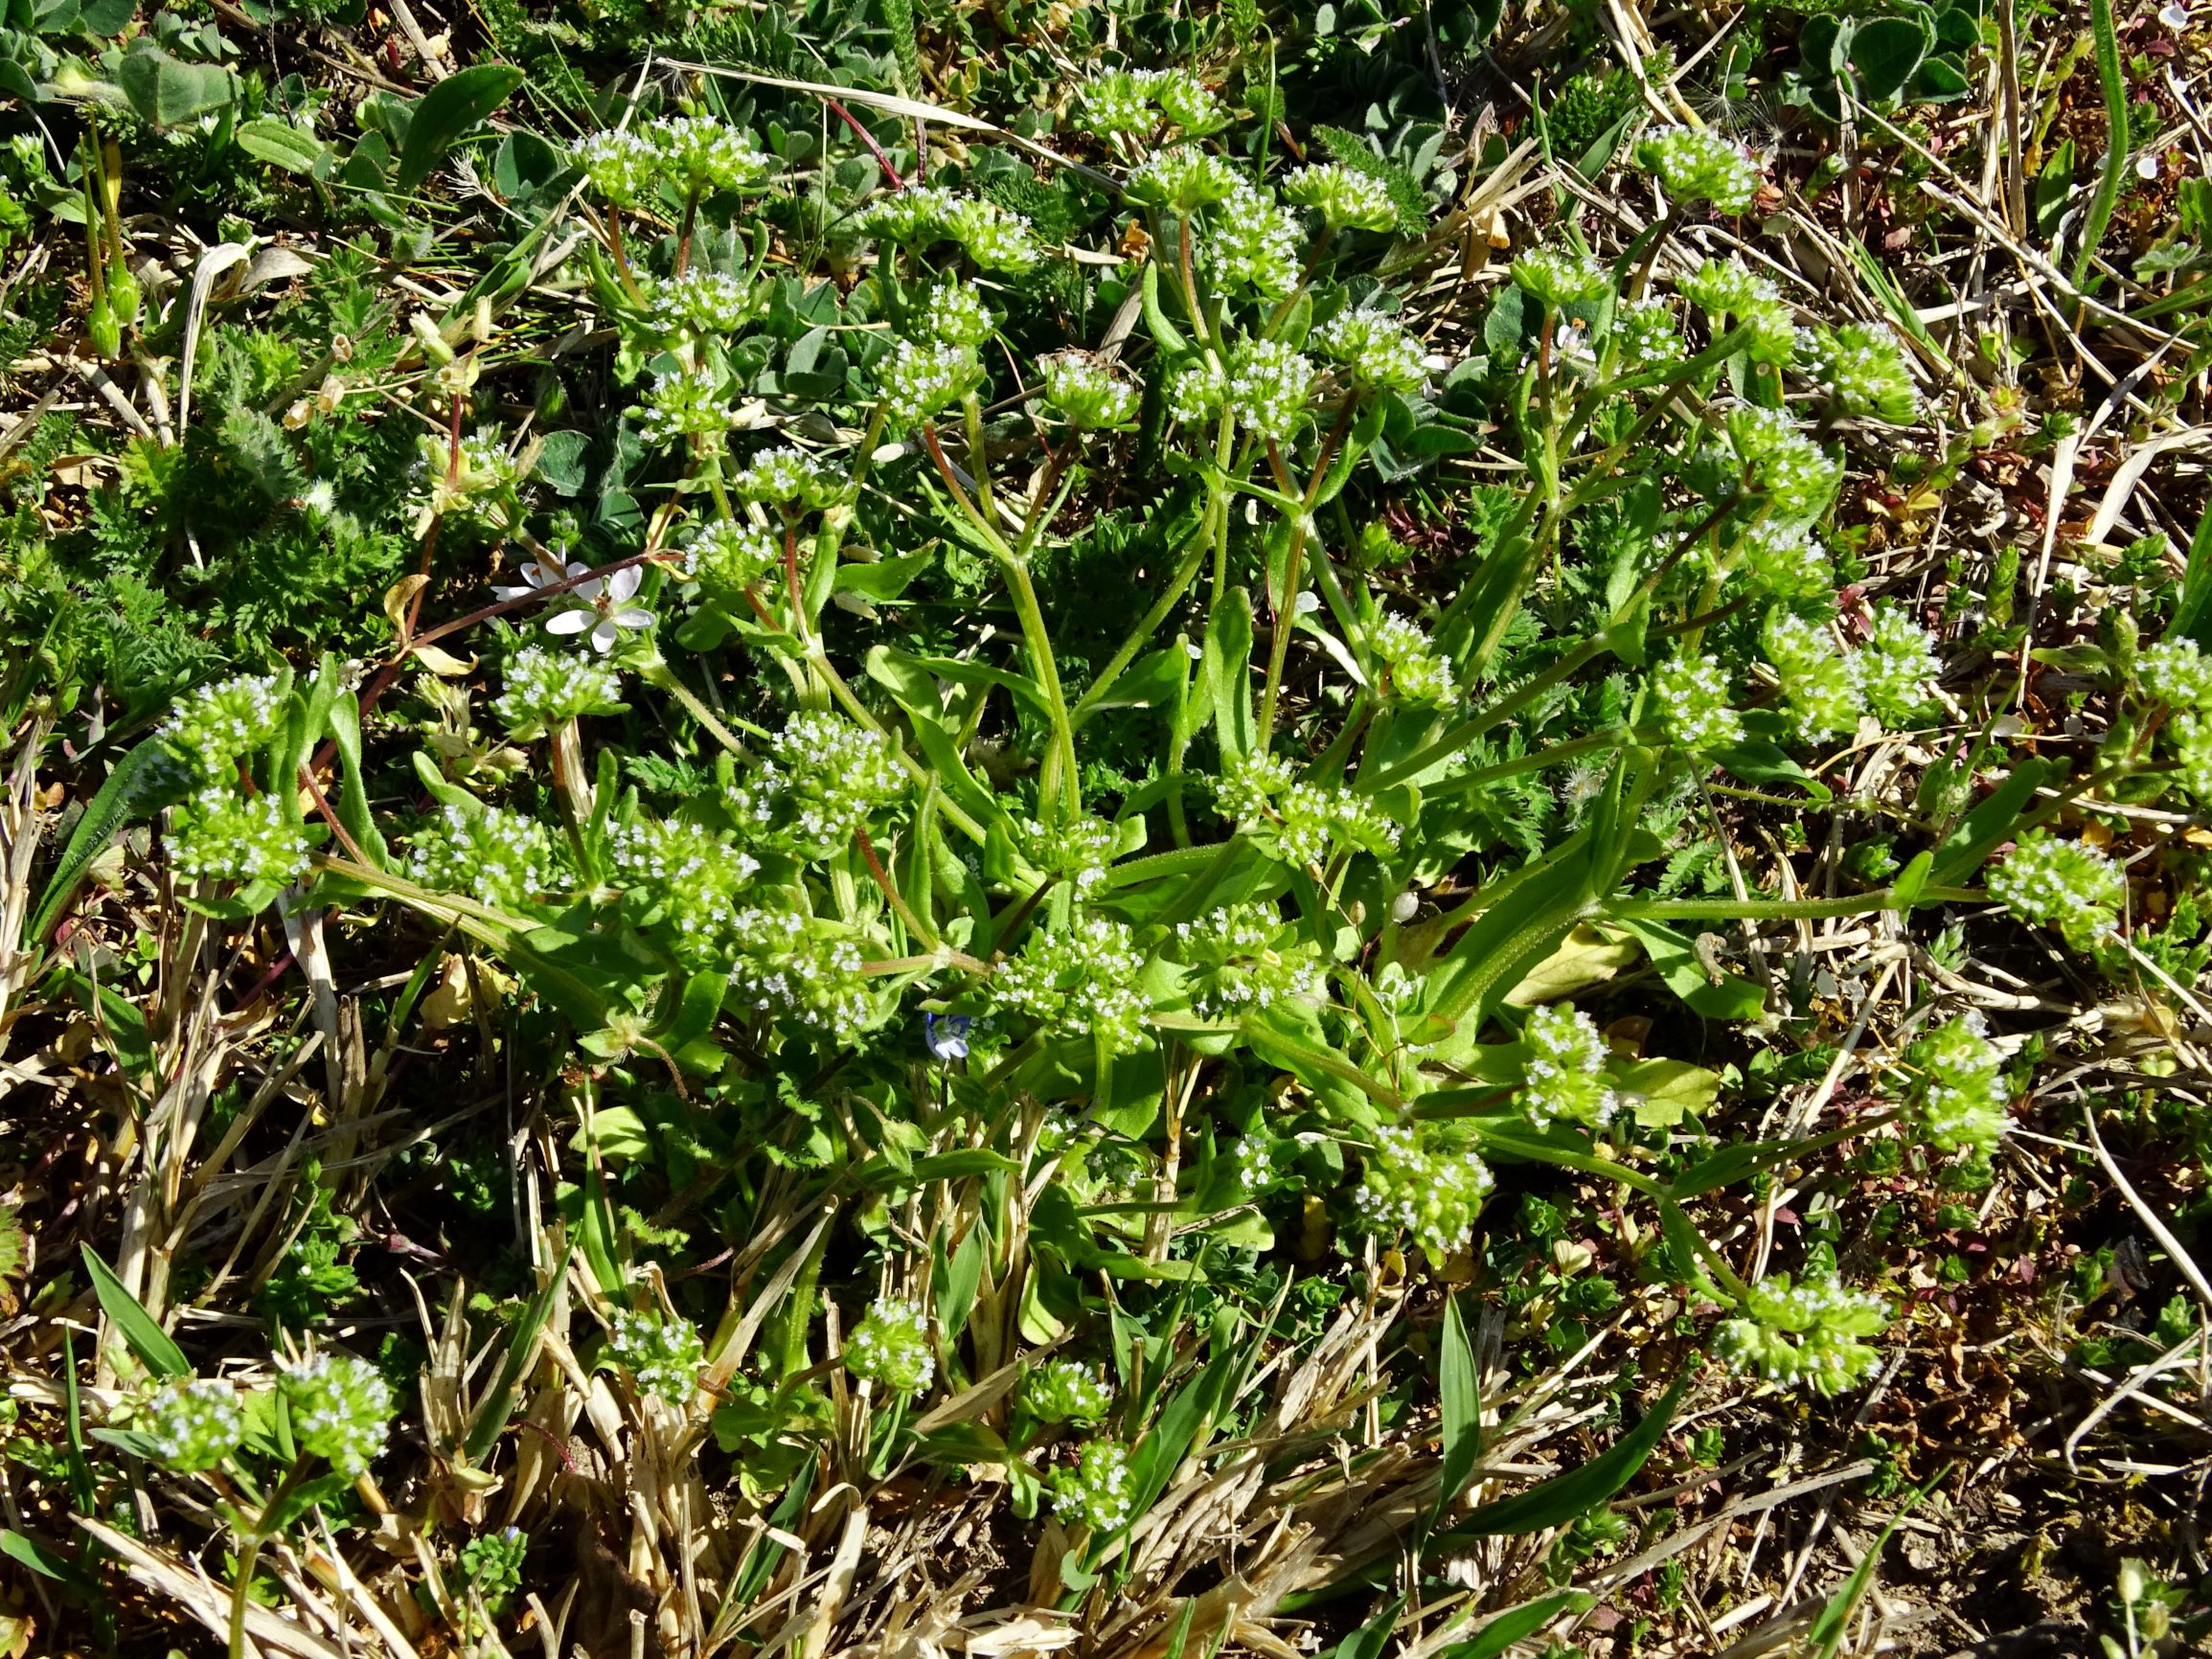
[(210, 728), (619, 165), (1816, 681), (730, 556), (2175, 672), (1559, 278), (1087, 392), (891, 1346), (683, 403), (786, 477), (921, 378), (491, 855), (705, 154), (702, 304), (548, 689), (1796, 477), (995, 237), (479, 483), (1694, 704), (1119, 101), (1726, 289), (1345, 198), (1268, 386), (194, 1423), (1650, 333), (1077, 851), (1785, 560), (1433, 1192), (1956, 1092), (1806, 1335), (1301, 823), (1864, 367), (1254, 1161), (1182, 180), (954, 314), (1252, 243), (341, 1409), (221, 835), (1697, 164), (688, 877), (794, 966), (695, 152), (1135, 101), (1418, 672), (1100, 1492), (1896, 666), (1564, 1074), (2045, 880), (1377, 352), (1242, 959), (662, 1355), (819, 783), (1080, 982), (1196, 391), (2191, 735), (1066, 1391)]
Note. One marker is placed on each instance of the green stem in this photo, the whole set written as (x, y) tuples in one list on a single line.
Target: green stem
[(249, 1554), (1177, 586), (1557, 754), (659, 674), (1776, 909), (1047, 672), (1474, 725)]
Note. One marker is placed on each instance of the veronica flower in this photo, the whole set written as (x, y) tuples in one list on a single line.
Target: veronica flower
[(945, 1034)]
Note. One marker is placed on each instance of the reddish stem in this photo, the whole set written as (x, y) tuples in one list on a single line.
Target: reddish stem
[(869, 139)]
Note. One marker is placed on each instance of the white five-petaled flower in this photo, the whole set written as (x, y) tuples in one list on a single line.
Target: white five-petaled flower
[(603, 602), (2174, 15)]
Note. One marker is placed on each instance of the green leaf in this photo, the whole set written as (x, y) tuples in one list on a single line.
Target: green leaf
[(1713, 993), (1832, 1622), (1517, 1625), (1560, 1499), (886, 578), (1939, 80), (2193, 610), (45, 1563), (1521, 930), (498, 1401), (1226, 673), (1667, 1090), (156, 1351), (1885, 52), (448, 112), (143, 781), (168, 92), (560, 461), (615, 1132), (1459, 1406), (1982, 831), (1758, 762), (281, 144), (955, 1277)]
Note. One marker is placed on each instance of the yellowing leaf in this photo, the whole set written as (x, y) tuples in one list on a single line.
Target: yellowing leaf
[(1585, 958)]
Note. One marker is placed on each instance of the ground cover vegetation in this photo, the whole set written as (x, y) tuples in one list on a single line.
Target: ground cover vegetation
[(1140, 830)]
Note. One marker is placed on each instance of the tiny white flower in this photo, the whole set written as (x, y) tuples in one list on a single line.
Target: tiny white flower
[(2173, 16)]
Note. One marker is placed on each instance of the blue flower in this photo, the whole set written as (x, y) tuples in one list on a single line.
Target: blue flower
[(947, 1035)]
